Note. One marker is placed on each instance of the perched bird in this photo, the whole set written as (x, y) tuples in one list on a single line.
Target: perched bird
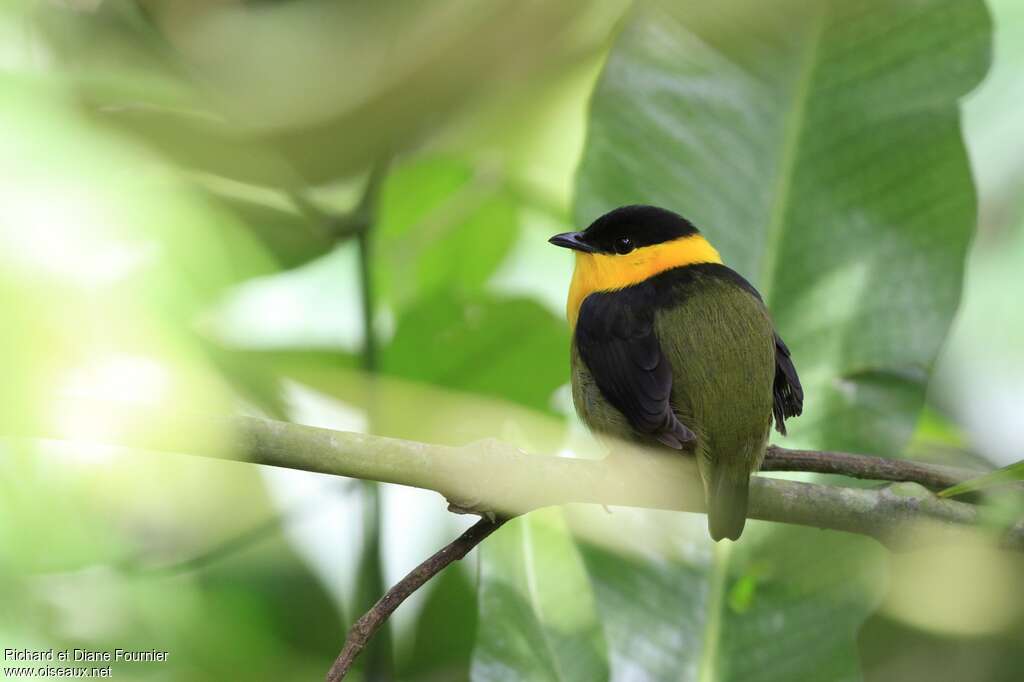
[(672, 348)]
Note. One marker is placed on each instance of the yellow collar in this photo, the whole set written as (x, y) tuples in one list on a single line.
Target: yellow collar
[(609, 272)]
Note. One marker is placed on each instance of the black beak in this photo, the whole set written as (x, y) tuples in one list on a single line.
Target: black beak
[(572, 240)]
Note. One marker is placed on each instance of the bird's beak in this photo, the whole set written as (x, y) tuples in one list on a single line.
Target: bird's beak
[(572, 240)]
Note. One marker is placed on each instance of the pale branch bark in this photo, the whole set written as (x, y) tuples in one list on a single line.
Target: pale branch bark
[(493, 477), (371, 621), (490, 476)]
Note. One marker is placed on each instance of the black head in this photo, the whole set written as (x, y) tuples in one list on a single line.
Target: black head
[(627, 228)]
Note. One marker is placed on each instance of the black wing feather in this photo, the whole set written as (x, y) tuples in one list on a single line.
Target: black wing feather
[(616, 340), (788, 393)]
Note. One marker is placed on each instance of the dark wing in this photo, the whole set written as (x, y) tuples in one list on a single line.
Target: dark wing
[(616, 340), (788, 393)]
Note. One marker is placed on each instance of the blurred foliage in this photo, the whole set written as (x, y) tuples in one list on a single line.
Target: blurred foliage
[(200, 72), (981, 374), (538, 617), (1008, 474), (778, 606), (468, 346), (176, 178), (432, 209)]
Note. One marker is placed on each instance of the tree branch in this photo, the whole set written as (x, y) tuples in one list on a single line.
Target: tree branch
[(932, 476), (364, 628), (490, 476)]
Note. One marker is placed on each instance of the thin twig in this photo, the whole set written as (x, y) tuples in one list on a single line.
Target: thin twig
[(362, 219), (366, 301), (932, 476), (364, 628)]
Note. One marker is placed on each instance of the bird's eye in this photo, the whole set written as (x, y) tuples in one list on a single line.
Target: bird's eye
[(623, 245)]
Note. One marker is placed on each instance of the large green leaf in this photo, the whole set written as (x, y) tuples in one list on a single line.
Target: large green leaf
[(538, 620), (817, 145), (783, 604)]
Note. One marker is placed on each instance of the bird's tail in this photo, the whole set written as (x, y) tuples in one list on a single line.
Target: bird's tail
[(727, 492)]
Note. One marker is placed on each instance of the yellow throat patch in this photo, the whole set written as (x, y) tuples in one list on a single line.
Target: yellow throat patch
[(608, 272)]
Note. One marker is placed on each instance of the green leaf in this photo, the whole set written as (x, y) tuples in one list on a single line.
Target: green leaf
[(782, 604), (444, 225), (507, 347), (537, 617), (817, 145), (445, 631), (1008, 474), (292, 237)]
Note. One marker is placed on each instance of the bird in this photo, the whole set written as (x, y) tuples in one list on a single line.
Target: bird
[(673, 349)]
